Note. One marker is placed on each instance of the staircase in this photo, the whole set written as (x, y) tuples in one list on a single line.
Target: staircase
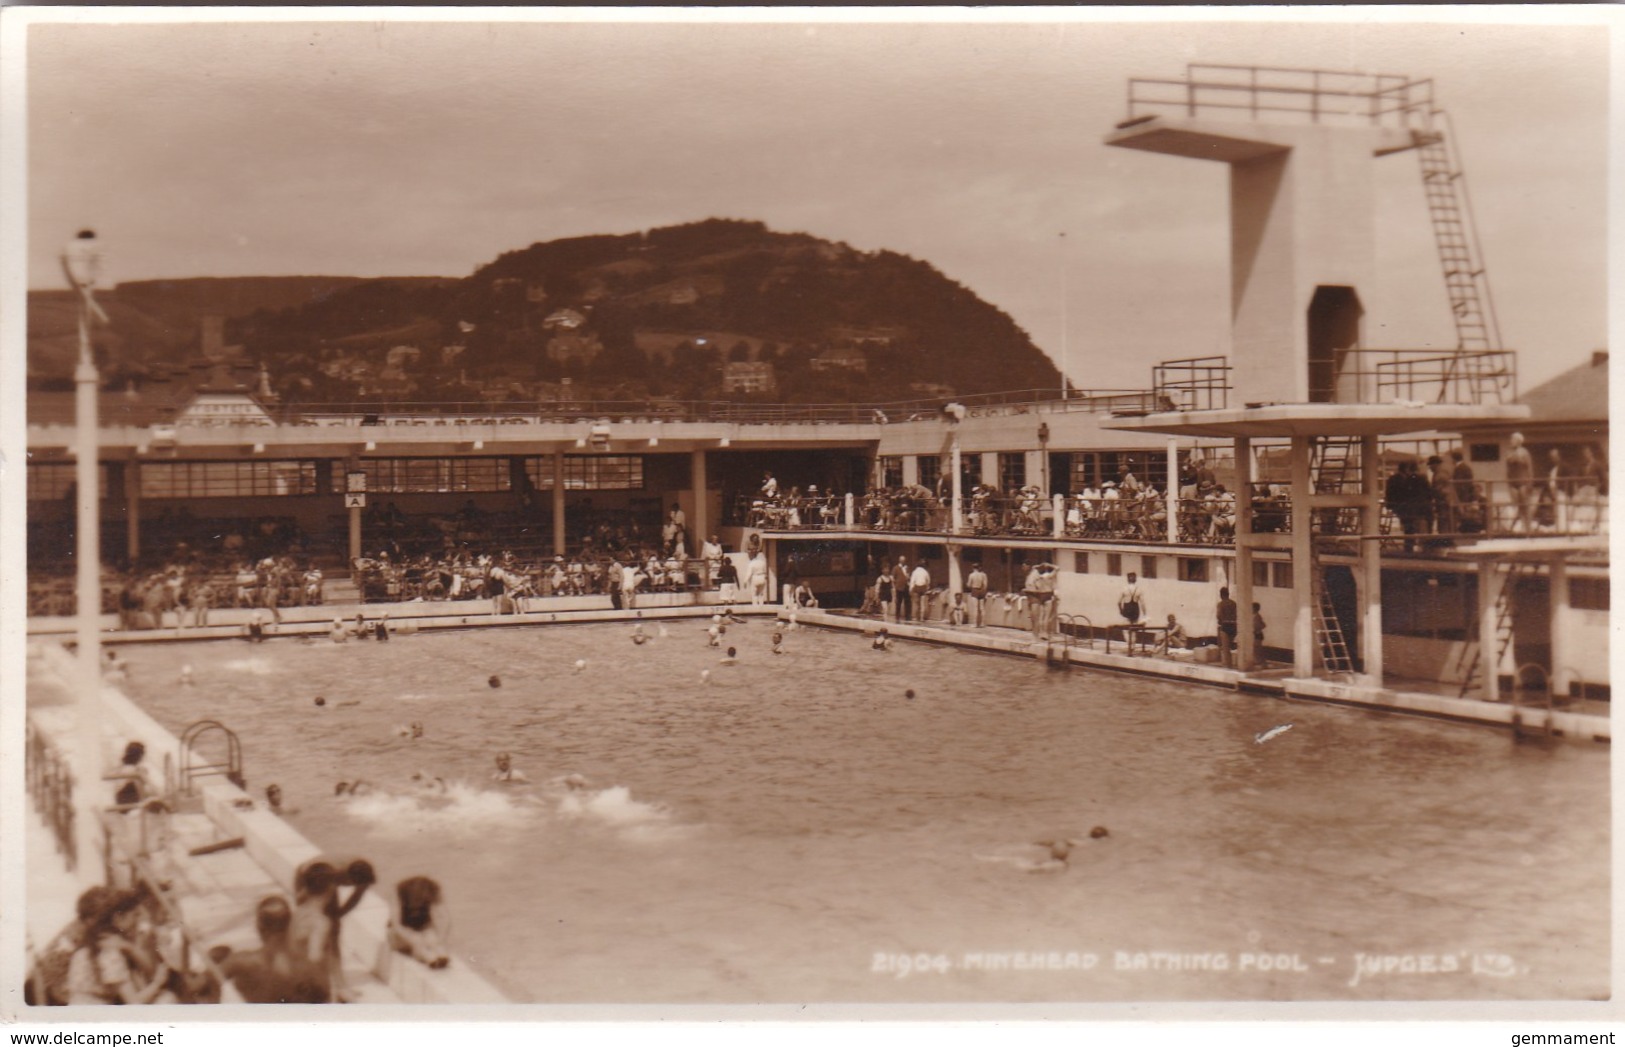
[(1465, 279)]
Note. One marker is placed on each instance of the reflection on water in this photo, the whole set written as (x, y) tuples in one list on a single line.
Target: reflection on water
[(795, 828)]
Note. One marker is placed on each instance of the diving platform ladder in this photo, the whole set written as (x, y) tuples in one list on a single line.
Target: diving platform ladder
[(1331, 646), (1336, 470), (1461, 258), (1474, 655)]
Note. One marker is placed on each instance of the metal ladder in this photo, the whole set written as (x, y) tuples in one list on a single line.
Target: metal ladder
[(1330, 643), (1505, 608), (1461, 258), (1336, 470)]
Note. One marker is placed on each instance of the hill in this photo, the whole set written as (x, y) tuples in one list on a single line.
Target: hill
[(679, 312)]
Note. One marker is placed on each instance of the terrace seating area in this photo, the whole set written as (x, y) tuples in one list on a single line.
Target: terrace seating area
[(1140, 514)]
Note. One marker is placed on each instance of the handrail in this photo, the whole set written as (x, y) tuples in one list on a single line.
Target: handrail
[(51, 782), (1517, 700), (1319, 94)]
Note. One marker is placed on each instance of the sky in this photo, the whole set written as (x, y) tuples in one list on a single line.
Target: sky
[(393, 146)]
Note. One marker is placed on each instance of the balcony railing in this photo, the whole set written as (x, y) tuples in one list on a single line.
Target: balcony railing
[(1198, 383), (1464, 377), (1286, 95), (1495, 509)]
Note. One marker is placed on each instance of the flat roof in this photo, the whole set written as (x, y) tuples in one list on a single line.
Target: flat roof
[(1286, 420)]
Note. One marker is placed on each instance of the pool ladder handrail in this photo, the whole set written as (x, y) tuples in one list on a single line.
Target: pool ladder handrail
[(1064, 621), (232, 768), (1517, 698)]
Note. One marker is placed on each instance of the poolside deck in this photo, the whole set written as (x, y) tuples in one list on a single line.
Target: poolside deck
[(1584, 721)]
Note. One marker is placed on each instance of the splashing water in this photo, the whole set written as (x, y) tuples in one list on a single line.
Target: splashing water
[(461, 810)]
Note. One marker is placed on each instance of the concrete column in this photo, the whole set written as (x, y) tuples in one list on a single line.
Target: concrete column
[(956, 583), (558, 503), (1303, 582), (1058, 515), (1171, 494), (851, 510), (132, 510), (1246, 656), (958, 481), (1563, 675), (700, 526), (1489, 667), (87, 787), (355, 534), (1371, 561), (911, 469)]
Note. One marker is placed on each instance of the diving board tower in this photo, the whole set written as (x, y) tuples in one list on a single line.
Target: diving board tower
[(1302, 146)]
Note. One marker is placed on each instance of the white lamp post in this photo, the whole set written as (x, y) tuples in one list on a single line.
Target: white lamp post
[(81, 264)]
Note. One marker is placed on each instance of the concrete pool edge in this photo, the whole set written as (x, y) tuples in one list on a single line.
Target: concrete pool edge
[(1570, 725), (278, 850)]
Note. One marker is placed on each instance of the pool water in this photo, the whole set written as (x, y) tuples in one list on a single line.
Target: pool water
[(794, 828)]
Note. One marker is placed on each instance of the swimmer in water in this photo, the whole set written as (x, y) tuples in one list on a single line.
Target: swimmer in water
[(639, 637), (495, 681), (507, 772), (573, 782), (186, 676), (273, 799), (413, 730), (705, 676), (430, 783), (1056, 855), (355, 788), (581, 663), (778, 643), (1060, 851), (340, 635), (882, 641), (713, 637), (731, 658)]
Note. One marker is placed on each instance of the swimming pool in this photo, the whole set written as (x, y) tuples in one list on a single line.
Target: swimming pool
[(793, 828)]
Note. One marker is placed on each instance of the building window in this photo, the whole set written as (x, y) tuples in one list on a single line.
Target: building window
[(1261, 573), (1283, 574), (1484, 452), (432, 475), (930, 466), (1192, 569), (891, 470), (49, 481), (1012, 471), (226, 479), (1093, 468), (1114, 563), (588, 472), (1588, 594), (1080, 563), (1148, 567), (970, 471)]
